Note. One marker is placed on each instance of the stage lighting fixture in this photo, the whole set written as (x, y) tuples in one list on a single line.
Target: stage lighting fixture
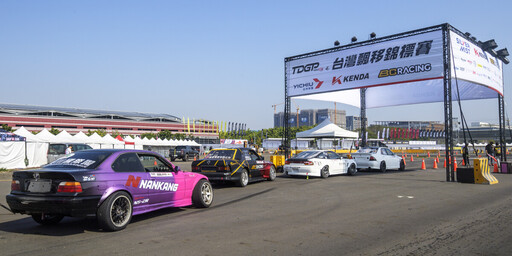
[(473, 38), (489, 44), (505, 60), (354, 39), (373, 35), (336, 43), (467, 34), (502, 53)]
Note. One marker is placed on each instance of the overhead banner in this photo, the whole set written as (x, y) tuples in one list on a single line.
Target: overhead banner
[(408, 59), (472, 64)]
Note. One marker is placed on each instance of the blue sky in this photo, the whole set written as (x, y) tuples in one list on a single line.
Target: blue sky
[(219, 60)]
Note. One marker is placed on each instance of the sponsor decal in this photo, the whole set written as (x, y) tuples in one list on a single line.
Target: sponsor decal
[(160, 174), (464, 46), (141, 201), (89, 178), (151, 184), (305, 68), (480, 54), (426, 67)]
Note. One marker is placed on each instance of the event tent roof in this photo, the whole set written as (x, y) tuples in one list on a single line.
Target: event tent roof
[(327, 129)]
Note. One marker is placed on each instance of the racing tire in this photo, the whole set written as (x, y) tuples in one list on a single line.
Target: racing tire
[(202, 197), (324, 173), (172, 159), (244, 179), (272, 173), (402, 165), (47, 219), (352, 170), (382, 166), (115, 212)]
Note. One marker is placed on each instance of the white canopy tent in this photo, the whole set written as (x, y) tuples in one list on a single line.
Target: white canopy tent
[(327, 129)]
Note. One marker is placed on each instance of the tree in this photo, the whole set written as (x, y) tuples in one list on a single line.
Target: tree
[(7, 128), (54, 131), (100, 132)]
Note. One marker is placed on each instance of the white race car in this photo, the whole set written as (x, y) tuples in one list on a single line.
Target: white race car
[(319, 163), (378, 158)]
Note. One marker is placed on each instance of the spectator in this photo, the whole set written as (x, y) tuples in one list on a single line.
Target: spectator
[(489, 149), (69, 150)]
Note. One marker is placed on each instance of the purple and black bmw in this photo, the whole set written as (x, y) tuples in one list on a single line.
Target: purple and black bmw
[(110, 184)]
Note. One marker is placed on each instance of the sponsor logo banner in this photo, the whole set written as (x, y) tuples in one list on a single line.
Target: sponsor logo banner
[(472, 64), (409, 59)]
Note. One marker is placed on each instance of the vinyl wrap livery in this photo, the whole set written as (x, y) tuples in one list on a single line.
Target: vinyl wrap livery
[(229, 164), (156, 184)]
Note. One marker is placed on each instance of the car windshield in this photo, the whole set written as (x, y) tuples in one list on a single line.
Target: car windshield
[(367, 150), (307, 154), (221, 154), (82, 160)]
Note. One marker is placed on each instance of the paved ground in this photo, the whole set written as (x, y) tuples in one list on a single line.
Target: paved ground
[(395, 213)]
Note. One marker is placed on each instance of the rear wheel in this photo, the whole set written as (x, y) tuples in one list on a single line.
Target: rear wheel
[(202, 196), (115, 212), (383, 166), (324, 173), (47, 219), (272, 173), (352, 170), (244, 179)]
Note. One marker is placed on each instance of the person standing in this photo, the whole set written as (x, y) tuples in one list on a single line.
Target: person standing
[(489, 149), (69, 150)]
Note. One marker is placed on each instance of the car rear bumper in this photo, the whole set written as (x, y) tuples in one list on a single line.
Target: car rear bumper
[(69, 206), (219, 176), (301, 171)]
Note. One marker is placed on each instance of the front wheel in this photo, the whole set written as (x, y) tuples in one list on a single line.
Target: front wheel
[(115, 212), (352, 170), (324, 173), (272, 173), (202, 196), (47, 219), (244, 179), (402, 165)]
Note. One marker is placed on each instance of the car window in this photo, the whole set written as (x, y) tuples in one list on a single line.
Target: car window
[(128, 162), (221, 154), (57, 149), (307, 154), (152, 163), (83, 160), (322, 155), (389, 152), (253, 155), (332, 155)]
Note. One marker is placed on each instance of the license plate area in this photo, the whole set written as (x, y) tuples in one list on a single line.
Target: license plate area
[(39, 186)]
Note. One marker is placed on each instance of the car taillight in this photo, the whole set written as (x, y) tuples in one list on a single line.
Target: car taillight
[(286, 162), (195, 168), (308, 163), (349, 156), (15, 185), (372, 158), (223, 168), (70, 187)]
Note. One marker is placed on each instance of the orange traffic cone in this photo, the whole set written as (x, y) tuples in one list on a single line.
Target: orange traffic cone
[(417, 155), (423, 167), (435, 164), (495, 168), (437, 159), (403, 159), (438, 153), (155, 163), (412, 160), (428, 154), (454, 164), (463, 163), (444, 163)]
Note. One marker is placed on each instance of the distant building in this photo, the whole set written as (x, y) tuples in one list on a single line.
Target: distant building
[(422, 125), (73, 120), (353, 122), (309, 117)]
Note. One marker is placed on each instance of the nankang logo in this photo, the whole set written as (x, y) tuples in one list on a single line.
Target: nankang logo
[(309, 86), (426, 67), (305, 68), (151, 184)]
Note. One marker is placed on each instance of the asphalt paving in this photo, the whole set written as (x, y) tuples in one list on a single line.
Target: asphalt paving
[(414, 212)]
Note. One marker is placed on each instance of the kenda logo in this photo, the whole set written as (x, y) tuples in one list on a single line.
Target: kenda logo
[(151, 184)]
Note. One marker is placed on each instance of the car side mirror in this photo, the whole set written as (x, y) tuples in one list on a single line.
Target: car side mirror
[(261, 158), (177, 168)]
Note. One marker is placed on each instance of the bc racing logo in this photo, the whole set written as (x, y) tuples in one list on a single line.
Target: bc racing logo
[(426, 67), (151, 184)]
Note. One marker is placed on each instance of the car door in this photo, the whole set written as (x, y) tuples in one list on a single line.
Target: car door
[(132, 175), (335, 163), (394, 161), (163, 184), (251, 159)]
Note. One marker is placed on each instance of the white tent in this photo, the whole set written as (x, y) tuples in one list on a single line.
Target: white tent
[(46, 136), (65, 137), (326, 129), (36, 148)]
